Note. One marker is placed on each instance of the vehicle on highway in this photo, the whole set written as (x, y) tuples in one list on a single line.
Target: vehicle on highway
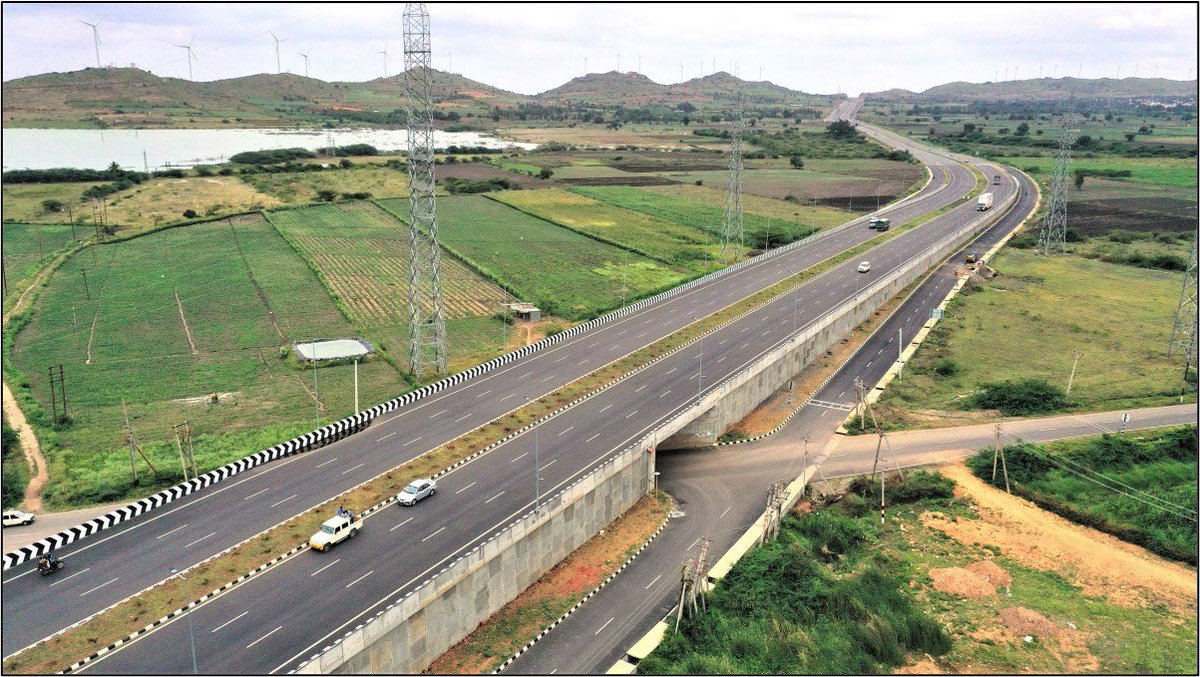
[(415, 491), (49, 563), (984, 203), (335, 530), (996, 180), (15, 518), (864, 267), (880, 223), (971, 257)]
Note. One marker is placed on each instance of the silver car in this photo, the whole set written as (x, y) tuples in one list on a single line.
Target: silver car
[(415, 491), (864, 267)]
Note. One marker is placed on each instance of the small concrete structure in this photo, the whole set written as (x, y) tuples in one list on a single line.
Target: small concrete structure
[(524, 311), (332, 349)]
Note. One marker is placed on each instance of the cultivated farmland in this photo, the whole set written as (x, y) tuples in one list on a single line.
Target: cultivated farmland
[(563, 272), (162, 322), (666, 241), (29, 246)]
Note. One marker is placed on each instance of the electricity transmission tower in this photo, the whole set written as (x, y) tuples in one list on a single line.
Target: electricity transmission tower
[(426, 309), (1053, 235), (1183, 334), (732, 234)]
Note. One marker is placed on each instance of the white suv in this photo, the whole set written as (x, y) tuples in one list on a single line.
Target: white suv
[(334, 531)]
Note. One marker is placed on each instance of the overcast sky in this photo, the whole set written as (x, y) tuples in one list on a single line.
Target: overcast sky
[(529, 48)]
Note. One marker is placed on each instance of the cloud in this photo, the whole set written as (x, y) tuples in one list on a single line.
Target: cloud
[(529, 48)]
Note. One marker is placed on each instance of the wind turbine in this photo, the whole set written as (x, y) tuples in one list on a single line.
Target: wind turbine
[(95, 36), (278, 63), (191, 56), (385, 59), (305, 62)]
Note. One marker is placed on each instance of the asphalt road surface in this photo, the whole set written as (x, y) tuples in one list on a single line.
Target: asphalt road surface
[(269, 624), (126, 559)]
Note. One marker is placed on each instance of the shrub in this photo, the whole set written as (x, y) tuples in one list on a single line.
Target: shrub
[(945, 367), (190, 214), (52, 206), (1017, 398), (327, 195)]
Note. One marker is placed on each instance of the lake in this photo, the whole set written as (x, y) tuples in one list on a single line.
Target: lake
[(138, 149)]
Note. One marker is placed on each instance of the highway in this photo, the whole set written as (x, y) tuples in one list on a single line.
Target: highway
[(126, 559), (723, 490), (268, 624)]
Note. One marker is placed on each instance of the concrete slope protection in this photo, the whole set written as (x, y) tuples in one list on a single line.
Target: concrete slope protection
[(723, 490), (402, 548)]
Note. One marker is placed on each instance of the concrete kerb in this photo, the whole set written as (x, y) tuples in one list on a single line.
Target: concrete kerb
[(581, 602), (357, 422), (891, 374)]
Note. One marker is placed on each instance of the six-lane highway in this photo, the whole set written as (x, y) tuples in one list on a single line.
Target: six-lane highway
[(282, 617)]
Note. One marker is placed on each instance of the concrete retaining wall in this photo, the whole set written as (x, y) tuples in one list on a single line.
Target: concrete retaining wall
[(732, 400), (411, 633)]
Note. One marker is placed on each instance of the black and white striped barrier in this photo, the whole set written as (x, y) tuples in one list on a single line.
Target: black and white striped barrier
[(546, 630)]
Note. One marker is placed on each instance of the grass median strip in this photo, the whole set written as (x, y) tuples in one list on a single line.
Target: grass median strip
[(132, 614)]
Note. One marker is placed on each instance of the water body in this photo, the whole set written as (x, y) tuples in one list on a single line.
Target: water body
[(98, 148)]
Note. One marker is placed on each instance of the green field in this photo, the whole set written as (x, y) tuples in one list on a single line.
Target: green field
[(362, 254), (120, 337), (1030, 320), (669, 242), (1140, 486), (563, 272), (754, 206), (696, 214), (28, 247), (1155, 171), (23, 201)]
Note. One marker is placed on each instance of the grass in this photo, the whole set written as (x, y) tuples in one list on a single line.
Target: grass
[(519, 621), (565, 273), (15, 473), (813, 601), (23, 201), (1140, 469), (754, 206), (299, 187), (165, 200), (120, 338), (697, 215), (29, 246), (1155, 171), (1117, 317), (669, 242)]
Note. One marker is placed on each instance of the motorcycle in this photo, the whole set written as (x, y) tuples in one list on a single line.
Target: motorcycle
[(46, 568)]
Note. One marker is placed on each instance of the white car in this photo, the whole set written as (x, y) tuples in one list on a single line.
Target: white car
[(14, 518), (415, 491), (334, 531), (864, 267)]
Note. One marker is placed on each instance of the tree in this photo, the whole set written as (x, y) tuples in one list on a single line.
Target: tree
[(52, 206), (327, 195), (1130, 136), (842, 129), (1079, 177), (1022, 129), (797, 161), (190, 214), (545, 173), (1083, 141), (969, 128)]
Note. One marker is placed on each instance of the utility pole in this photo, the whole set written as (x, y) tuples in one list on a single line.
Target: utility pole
[(1071, 379), (732, 233), (900, 356), (133, 446), (87, 290), (187, 591), (187, 455), (998, 452), (316, 386), (356, 409), (58, 394), (427, 352)]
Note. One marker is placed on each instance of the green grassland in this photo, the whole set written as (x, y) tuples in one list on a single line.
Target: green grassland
[(1179, 172), (23, 201), (1154, 473), (29, 246), (754, 206), (840, 593), (667, 241), (1028, 322), (563, 272), (120, 338), (297, 187), (697, 215)]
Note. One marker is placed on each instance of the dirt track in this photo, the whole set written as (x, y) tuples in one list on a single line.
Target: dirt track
[(33, 453)]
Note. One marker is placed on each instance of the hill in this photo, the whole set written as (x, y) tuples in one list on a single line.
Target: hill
[(634, 89), (1042, 89)]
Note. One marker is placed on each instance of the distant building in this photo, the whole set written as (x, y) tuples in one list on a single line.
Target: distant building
[(524, 311)]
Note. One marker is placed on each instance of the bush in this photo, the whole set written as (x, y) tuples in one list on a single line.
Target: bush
[(327, 195), (945, 367), (270, 157), (190, 214), (1017, 398), (52, 206)]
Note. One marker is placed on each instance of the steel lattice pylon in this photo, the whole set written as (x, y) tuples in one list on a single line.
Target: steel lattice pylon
[(1183, 334), (732, 234), (426, 308), (1053, 235)]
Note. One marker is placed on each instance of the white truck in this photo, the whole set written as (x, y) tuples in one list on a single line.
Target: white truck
[(984, 203), (334, 531)]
